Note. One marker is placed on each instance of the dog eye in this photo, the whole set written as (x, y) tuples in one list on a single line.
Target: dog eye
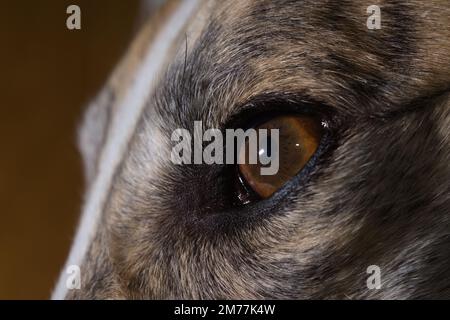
[(299, 137)]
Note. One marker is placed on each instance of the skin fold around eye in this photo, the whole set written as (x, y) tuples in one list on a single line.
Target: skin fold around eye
[(299, 138)]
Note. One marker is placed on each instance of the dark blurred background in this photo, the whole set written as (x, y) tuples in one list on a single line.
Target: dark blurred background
[(48, 74)]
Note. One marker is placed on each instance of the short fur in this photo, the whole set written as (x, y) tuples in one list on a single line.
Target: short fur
[(378, 195)]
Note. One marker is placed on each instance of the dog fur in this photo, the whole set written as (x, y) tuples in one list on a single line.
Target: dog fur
[(378, 194)]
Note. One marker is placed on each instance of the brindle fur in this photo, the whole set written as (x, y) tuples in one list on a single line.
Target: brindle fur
[(379, 196)]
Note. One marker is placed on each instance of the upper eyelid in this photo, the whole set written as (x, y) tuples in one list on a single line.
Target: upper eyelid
[(375, 108), (246, 114)]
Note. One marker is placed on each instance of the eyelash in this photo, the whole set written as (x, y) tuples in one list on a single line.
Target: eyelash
[(263, 107)]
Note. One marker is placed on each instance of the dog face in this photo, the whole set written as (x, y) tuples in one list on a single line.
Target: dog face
[(377, 193)]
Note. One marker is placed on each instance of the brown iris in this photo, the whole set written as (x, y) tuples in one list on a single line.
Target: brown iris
[(299, 138)]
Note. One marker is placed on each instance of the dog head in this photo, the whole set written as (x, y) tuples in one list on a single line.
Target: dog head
[(375, 193)]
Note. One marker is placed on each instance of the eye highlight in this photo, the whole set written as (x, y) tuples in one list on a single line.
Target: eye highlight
[(299, 139)]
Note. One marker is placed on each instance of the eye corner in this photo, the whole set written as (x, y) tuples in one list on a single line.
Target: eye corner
[(245, 195)]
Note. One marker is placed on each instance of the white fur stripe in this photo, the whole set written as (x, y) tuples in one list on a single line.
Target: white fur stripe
[(123, 126)]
